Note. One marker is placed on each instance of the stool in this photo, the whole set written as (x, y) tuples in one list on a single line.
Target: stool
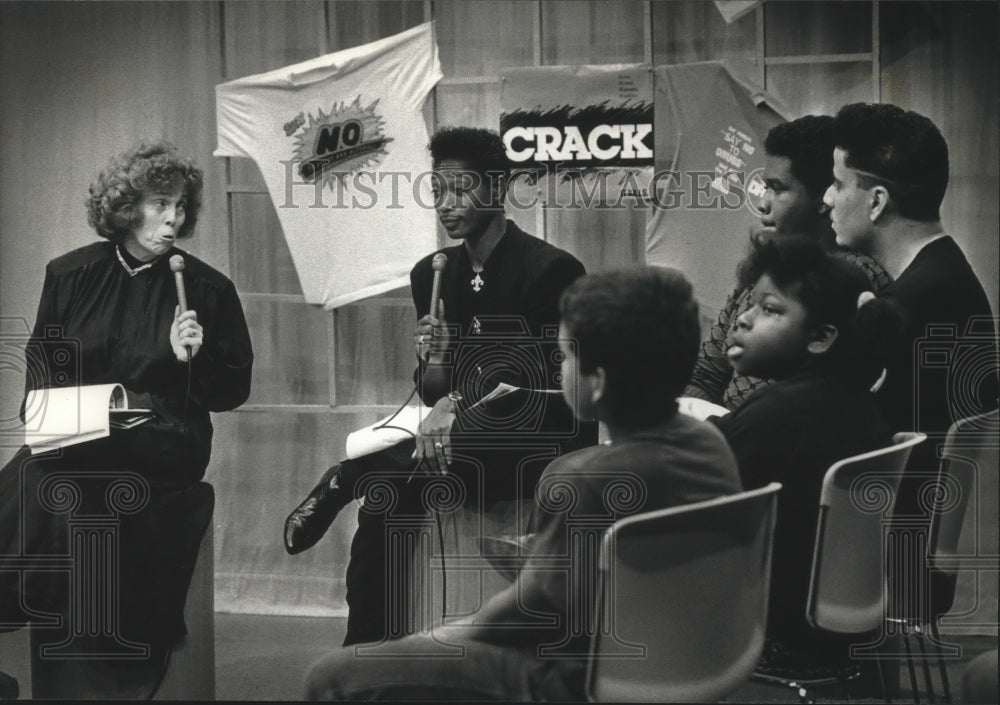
[(190, 672)]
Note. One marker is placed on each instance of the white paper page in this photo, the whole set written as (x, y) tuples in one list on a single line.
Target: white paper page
[(699, 408), (405, 423), (374, 438), (65, 416), (503, 389)]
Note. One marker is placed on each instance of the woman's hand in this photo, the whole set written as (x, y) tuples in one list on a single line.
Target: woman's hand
[(186, 334), (433, 442)]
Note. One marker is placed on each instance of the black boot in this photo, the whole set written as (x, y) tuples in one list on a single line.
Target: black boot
[(309, 521)]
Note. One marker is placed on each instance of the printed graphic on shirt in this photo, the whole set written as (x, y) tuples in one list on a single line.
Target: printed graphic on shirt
[(585, 138), (338, 143), (578, 135), (323, 133)]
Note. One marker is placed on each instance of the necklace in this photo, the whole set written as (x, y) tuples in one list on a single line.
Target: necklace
[(131, 272), (477, 281)]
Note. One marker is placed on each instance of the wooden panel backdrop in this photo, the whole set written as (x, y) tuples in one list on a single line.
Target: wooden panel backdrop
[(79, 81)]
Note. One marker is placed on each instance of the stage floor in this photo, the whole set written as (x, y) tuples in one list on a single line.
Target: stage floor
[(260, 658)]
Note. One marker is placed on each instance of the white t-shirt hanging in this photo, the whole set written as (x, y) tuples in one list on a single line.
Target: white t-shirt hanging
[(341, 143)]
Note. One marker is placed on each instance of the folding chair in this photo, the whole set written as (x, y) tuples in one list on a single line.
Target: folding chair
[(970, 451), (682, 600), (847, 589)]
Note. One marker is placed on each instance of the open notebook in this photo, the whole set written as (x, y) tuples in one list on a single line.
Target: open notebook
[(64, 416)]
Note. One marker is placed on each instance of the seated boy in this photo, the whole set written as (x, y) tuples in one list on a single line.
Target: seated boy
[(628, 340)]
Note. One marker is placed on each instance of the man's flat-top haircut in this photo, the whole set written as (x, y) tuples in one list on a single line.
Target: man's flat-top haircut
[(641, 326), (898, 149), (478, 149), (808, 143)]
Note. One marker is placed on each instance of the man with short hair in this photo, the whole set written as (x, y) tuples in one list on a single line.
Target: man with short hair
[(500, 285), (494, 322), (890, 173), (796, 174)]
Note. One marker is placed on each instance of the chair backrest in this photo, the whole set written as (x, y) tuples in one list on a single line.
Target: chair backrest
[(969, 465), (847, 589), (970, 451), (682, 602)]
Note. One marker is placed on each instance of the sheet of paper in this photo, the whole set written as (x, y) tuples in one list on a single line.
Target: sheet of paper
[(402, 425), (503, 389), (64, 416), (386, 432), (130, 418), (699, 408)]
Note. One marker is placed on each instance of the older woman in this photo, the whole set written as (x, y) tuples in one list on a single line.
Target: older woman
[(109, 313)]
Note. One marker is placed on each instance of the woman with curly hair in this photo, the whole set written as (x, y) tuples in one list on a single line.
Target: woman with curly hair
[(109, 313)]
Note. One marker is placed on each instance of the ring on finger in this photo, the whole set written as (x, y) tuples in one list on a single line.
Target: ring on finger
[(438, 444)]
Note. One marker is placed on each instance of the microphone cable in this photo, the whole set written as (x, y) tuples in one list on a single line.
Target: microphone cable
[(161, 672), (437, 516), (187, 387)]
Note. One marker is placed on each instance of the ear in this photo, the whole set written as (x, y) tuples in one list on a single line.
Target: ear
[(823, 337), (879, 202), (597, 382)]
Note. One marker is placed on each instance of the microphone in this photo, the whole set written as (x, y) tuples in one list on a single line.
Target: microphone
[(437, 264), (177, 267)]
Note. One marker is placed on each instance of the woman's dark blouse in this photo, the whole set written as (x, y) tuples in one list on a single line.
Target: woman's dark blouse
[(116, 327), (98, 324)]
